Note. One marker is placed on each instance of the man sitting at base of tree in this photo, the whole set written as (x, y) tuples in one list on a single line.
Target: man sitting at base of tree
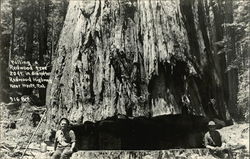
[(64, 141), (215, 142)]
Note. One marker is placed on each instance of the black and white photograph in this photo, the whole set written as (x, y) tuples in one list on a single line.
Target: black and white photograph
[(124, 79)]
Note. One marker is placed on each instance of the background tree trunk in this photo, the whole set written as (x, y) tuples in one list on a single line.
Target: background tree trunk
[(13, 14), (30, 34), (43, 35), (232, 70), (135, 58)]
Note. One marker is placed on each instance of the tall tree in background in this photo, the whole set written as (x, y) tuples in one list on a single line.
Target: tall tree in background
[(228, 29), (231, 72), (43, 27), (29, 19), (43, 36), (13, 15)]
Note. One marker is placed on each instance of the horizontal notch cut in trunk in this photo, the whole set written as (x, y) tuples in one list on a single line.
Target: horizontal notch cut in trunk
[(162, 132)]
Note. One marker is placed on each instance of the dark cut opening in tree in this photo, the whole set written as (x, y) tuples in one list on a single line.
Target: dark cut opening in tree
[(169, 85), (121, 133)]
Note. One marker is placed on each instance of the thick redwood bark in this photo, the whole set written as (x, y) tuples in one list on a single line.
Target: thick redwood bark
[(135, 58)]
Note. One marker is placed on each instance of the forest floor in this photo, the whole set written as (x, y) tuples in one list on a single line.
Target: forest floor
[(14, 140)]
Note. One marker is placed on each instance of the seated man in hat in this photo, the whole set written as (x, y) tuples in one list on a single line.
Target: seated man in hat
[(215, 142)]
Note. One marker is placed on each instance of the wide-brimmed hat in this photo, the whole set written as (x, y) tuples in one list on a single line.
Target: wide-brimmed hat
[(211, 123)]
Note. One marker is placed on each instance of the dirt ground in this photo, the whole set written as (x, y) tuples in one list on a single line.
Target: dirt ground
[(13, 141)]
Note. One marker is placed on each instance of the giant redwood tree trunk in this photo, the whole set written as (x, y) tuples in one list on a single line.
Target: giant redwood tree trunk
[(135, 58)]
